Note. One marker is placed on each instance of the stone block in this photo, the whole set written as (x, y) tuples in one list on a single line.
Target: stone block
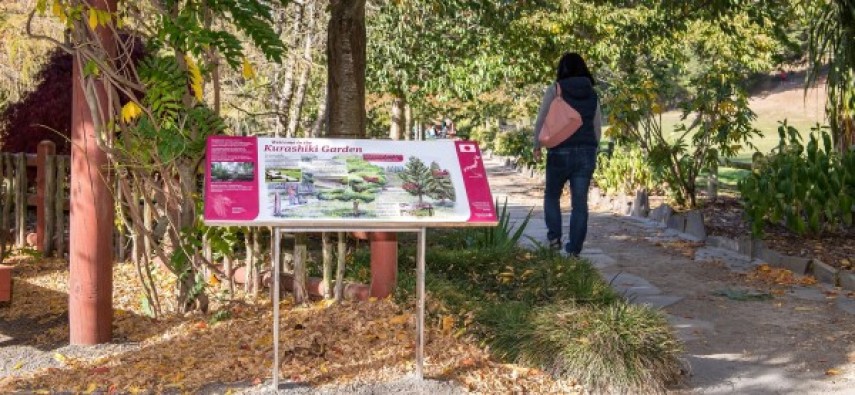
[(677, 222), (640, 207), (847, 280), (757, 246), (824, 273), (695, 224), (745, 246), (795, 264), (661, 214), (723, 242), (772, 257)]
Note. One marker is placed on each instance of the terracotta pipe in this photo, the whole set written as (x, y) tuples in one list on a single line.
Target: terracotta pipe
[(314, 285), (384, 263)]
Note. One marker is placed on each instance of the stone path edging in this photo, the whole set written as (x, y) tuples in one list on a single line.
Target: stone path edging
[(692, 223)]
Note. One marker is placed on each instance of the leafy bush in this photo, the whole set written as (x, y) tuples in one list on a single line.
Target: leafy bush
[(625, 172), (809, 188), (485, 136), (621, 348), (513, 143)]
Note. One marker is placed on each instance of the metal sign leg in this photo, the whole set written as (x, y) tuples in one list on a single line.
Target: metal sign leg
[(420, 304), (276, 256)]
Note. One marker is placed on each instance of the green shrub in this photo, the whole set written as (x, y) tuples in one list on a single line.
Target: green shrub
[(485, 136), (809, 188), (514, 143), (620, 348), (627, 171)]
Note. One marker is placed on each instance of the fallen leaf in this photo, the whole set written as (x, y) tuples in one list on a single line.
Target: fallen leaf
[(18, 366), (832, 372)]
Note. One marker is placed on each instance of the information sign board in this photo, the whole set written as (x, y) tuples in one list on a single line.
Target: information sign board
[(336, 182)]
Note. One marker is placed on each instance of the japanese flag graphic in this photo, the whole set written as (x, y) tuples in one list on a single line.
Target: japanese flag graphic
[(467, 147)]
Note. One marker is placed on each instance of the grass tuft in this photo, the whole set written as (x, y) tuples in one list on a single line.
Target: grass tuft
[(619, 348)]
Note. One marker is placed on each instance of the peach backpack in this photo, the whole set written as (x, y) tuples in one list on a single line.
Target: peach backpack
[(561, 121)]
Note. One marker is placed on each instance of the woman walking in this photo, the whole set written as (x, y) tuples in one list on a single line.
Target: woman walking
[(574, 159)]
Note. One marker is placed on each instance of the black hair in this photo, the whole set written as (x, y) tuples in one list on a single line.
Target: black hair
[(572, 65)]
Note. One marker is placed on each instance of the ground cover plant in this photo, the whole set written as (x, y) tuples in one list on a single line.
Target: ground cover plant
[(540, 309)]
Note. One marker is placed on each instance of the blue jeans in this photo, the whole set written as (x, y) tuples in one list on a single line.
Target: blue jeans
[(576, 165)]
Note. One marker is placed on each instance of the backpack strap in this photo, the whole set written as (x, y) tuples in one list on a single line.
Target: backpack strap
[(558, 89)]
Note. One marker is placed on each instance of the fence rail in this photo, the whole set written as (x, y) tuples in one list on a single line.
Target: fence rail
[(48, 194)]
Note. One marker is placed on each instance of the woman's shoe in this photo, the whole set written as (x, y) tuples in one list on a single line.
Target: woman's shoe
[(555, 244)]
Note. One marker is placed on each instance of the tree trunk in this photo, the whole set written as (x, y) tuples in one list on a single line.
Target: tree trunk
[(306, 68), (286, 89), (301, 295), (346, 68), (323, 116), (398, 126), (339, 275), (408, 122), (327, 252)]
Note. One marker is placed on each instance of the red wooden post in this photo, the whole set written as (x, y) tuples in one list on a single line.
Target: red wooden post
[(90, 296), (44, 149), (384, 263)]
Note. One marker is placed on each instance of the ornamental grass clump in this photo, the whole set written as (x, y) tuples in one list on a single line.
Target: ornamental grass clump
[(618, 348)]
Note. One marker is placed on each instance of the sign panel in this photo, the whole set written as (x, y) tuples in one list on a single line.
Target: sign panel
[(349, 183)]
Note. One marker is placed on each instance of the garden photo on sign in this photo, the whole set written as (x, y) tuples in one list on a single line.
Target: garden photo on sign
[(232, 171)]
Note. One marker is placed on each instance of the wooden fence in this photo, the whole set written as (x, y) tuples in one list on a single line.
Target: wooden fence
[(48, 195)]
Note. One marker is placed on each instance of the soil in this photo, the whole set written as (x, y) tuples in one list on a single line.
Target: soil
[(725, 217)]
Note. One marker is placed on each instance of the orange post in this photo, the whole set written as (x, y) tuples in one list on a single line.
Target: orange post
[(384, 263), (44, 149), (90, 283)]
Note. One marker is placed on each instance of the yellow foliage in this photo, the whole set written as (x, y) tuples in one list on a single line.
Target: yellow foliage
[(195, 77), (130, 112), (93, 18), (248, 71)]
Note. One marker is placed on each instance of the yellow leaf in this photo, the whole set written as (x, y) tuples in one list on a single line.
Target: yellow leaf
[(372, 299), (18, 366), (248, 71), (93, 18), (56, 9), (130, 111), (447, 324), (399, 319), (832, 372), (213, 280), (195, 77), (91, 388), (59, 357)]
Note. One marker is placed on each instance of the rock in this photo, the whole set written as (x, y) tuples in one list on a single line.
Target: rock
[(695, 224), (796, 264), (661, 214), (771, 257), (745, 245), (723, 242), (847, 280), (677, 222), (640, 207), (824, 273)]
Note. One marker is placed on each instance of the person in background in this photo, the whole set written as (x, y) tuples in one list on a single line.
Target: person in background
[(574, 160)]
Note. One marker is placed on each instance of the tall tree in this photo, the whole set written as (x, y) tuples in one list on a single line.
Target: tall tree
[(346, 40)]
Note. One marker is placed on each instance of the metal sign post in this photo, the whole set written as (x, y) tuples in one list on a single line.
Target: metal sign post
[(420, 289)]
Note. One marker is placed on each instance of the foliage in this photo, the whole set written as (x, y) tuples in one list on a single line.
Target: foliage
[(831, 41), (810, 188), (502, 237), (44, 113), (626, 171), (619, 348), (485, 136)]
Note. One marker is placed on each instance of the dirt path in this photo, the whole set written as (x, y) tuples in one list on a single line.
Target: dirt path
[(800, 341)]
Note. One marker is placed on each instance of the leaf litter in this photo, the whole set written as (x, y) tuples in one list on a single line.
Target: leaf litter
[(320, 344)]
